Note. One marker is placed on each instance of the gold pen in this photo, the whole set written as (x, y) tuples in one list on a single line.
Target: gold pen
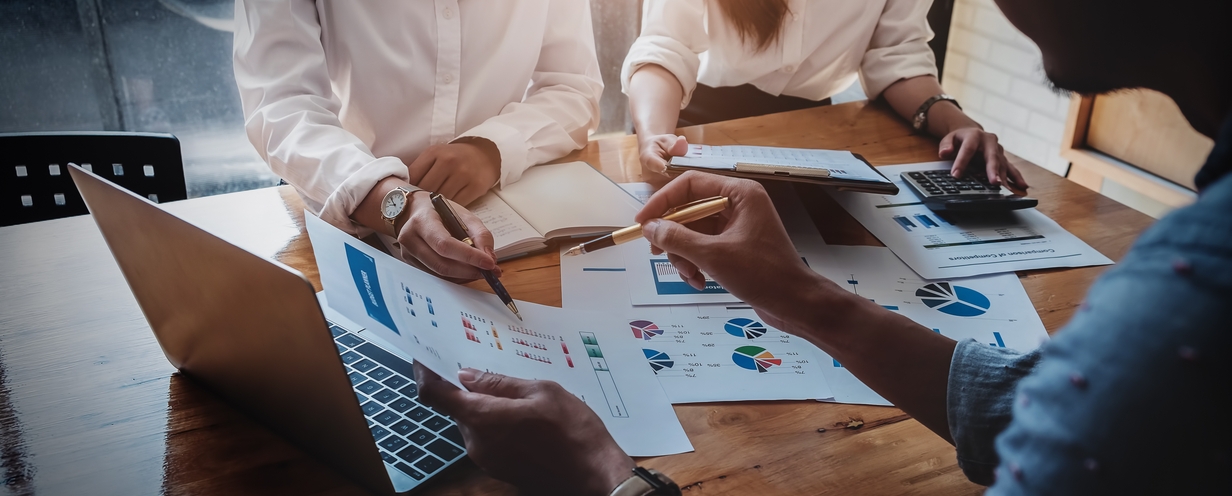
[(683, 214)]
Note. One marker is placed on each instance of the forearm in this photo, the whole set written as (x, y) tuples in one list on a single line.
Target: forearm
[(904, 362), (906, 96), (654, 101)]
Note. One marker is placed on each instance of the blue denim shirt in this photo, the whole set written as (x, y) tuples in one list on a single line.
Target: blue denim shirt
[(1134, 395)]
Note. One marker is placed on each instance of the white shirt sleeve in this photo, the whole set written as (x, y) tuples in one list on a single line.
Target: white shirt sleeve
[(899, 46), (291, 112), (561, 107), (673, 36)]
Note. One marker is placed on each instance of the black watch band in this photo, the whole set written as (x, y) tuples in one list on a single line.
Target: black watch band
[(647, 483), (920, 122), (667, 488)]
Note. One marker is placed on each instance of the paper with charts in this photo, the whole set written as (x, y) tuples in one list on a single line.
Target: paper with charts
[(447, 327), (653, 280), (990, 309), (699, 352), (939, 247), (994, 310)]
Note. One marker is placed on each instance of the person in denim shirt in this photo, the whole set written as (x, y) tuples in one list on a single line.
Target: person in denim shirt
[(1130, 397)]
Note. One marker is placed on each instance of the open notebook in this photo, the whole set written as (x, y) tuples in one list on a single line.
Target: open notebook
[(553, 201)]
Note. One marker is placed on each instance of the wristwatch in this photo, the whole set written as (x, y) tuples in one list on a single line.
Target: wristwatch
[(920, 122), (393, 206), (646, 483)]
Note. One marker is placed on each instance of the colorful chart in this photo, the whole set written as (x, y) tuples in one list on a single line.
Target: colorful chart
[(645, 329), (658, 360), (958, 301), (745, 328), (755, 358)]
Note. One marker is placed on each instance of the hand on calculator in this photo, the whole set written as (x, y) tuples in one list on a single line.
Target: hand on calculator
[(965, 146)]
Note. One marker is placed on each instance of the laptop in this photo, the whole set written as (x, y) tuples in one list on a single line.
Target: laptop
[(252, 331)]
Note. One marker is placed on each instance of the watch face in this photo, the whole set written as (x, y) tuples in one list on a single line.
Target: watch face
[(394, 202)]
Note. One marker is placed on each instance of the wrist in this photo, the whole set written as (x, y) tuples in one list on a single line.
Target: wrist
[(824, 308), (945, 117), (612, 474)]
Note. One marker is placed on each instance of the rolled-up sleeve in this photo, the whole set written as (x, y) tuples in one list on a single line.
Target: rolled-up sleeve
[(561, 107), (899, 46), (291, 112), (980, 402), (673, 37)]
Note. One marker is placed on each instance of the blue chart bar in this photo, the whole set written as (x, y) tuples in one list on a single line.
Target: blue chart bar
[(925, 221), (836, 364), (1000, 343), (890, 307), (938, 331), (905, 222)]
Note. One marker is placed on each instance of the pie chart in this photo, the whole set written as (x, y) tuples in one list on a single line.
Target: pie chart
[(755, 358), (658, 360), (958, 301), (745, 328), (645, 329)]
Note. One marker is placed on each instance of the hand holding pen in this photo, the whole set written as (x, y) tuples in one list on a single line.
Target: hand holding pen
[(683, 214), (458, 231)]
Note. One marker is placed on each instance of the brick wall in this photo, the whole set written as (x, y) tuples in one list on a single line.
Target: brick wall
[(995, 73)]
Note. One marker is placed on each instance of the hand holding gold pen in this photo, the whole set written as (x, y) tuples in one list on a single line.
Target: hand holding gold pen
[(683, 214)]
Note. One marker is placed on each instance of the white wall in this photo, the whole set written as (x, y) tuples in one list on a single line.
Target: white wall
[(995, 73)]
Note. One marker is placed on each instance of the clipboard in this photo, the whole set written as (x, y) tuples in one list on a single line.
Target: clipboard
[(819, 175)]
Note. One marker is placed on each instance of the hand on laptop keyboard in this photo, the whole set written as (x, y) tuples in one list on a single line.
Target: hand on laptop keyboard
[(532, 434)]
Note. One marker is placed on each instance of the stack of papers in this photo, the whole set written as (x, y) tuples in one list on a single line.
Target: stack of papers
[(952, 278), (938, 247)]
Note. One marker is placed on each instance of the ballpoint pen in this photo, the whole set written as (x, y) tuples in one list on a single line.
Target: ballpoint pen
[(683, 214), (458, 230)]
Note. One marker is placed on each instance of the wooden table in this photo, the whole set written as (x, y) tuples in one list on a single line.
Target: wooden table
[(88, 403)]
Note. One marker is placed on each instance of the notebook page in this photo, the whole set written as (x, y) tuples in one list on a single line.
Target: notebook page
[(507, 227), (570, 199)]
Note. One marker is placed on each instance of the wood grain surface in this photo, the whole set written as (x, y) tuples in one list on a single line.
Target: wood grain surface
[(89, 405)]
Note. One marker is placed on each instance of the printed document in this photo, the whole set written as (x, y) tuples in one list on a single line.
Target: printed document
[(700, 353), (653, 280), (941, 246), (994, 310), (446, 327)]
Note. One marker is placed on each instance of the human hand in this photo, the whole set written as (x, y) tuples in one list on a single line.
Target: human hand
[(964, 145), (532, 434), (744, 248), (655, 152), (424, 238), (462, 171)]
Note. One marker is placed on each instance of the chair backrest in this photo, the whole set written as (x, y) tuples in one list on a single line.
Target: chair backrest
[(35, 184)]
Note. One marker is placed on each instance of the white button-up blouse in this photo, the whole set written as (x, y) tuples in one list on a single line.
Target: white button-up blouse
[(825, 45), (339, 95)]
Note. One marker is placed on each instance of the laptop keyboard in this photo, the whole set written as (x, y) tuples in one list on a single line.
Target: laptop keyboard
[(411, 437)]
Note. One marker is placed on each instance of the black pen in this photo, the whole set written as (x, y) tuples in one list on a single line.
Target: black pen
[(458, 230)]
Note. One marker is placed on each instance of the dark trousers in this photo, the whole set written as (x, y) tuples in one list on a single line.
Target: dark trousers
[(734, 102)]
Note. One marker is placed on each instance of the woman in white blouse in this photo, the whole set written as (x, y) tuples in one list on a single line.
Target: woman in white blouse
[(350, 101), (700, 61)]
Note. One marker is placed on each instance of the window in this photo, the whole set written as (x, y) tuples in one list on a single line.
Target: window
[(131, 65)]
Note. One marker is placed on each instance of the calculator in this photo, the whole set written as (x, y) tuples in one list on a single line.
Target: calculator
[(939, 191)]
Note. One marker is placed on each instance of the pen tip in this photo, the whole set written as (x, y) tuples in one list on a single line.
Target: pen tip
[(575, 251)]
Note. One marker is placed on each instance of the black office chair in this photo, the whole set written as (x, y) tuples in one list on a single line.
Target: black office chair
[(35, 184)]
